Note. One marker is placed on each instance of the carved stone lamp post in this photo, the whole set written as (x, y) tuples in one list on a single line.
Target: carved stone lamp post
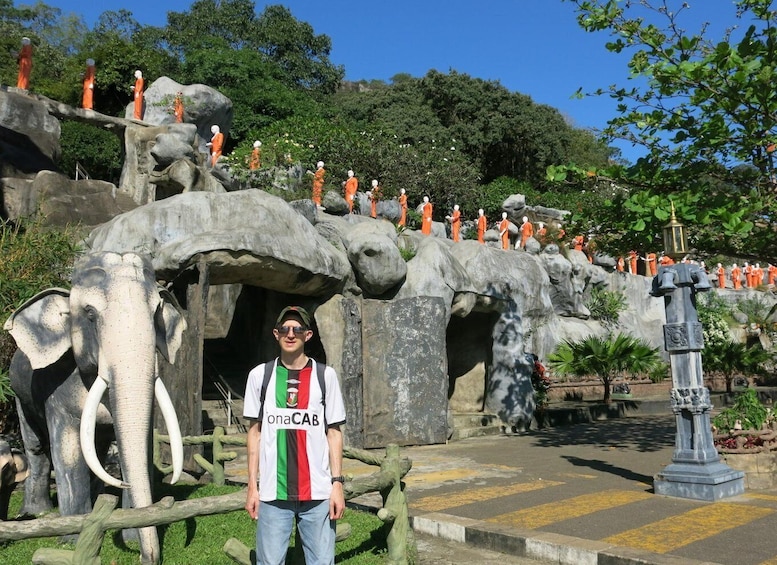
[(696, 470)]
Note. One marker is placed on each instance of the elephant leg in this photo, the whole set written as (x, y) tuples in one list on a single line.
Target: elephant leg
[(72, 472), (37, 492)]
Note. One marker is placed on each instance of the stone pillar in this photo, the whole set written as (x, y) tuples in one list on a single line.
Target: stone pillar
[(696, 470)]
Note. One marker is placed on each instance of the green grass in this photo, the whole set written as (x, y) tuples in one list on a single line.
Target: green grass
[(199, 541)]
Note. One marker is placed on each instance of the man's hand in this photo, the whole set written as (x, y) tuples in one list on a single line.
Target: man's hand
[(336, 502), (252, 502)]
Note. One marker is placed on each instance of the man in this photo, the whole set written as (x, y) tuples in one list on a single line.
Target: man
[(402, 207), (87, 97), (527, 231), (137, 95), (455, 220), (426, 217), (504, 231), (256, 156), (482, 225), (216, 145), (351, 186), (295, 448)]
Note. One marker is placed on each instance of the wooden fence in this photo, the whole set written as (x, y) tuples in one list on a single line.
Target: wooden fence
[(92, 527)]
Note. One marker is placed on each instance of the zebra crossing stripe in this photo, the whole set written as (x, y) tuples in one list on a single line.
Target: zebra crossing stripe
[(552, 512), (452, 500), (700, 523)]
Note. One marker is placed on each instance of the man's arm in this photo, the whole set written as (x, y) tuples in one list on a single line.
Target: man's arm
[(252, 443), (334, 437)]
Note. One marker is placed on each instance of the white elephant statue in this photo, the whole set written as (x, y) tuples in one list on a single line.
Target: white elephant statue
[(72, 348), (13, 470)]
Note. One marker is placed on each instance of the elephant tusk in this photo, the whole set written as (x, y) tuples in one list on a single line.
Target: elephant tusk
[(173, 429), (88, 421)]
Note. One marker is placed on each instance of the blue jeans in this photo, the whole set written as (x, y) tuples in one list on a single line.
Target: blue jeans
[(273, 532)]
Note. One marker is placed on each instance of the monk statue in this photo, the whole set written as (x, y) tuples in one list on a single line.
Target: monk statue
[(455, 220), (350, 188), (771, 274), (426, 217), (651, 264), (736, 276), (216, 144), (87, 98), (25, 64), (720, 271), (178, 107), (137, 90), (318, 183), (374, 198), (527, 231), (504, 231), (402, 207), (256, 157), (482, 225)]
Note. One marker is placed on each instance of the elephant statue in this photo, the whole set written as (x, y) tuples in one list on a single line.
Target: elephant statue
[(72, 348), (13, 470)]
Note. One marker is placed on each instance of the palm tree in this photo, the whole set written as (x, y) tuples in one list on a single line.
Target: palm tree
[(731, 359), (606, 357)]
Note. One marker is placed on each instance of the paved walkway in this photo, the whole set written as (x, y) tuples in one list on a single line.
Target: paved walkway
[(579, 495)]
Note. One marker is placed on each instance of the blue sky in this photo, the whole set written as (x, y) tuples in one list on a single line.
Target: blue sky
[(530, 46)]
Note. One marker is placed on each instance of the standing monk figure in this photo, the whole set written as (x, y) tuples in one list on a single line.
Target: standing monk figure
[(351, 186), (178, 107), (736, 277), (216, 144), (87, 100), (374, 198), (426, 217), (665, 261), (504, 231), (25, 64), (747, 269), (482, 225), (402, 207), (758, 275), (651, 265), (137, 90), (633, 262), (620, 265), (318, 183), (771, 274), (455, 220), (541, 232), (527, 231), (721, 272), (577, 242), (256, 156)]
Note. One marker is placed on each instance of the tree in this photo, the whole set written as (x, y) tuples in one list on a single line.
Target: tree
[(605, 357), (704, 110), (731, 359)]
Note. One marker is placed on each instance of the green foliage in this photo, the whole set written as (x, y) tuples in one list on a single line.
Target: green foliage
[(713, 312), (731, 359), (99, 152), (747, 409), (407, 253), (759, 312), (200, 541), (604, 357), (705, 113), (606, 305)]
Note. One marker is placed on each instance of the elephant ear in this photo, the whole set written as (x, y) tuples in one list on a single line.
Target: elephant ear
[(22, 467), (170, 325), (41, 327)]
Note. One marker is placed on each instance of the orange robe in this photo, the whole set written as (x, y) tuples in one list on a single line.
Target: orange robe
[(482, 225), (374, 202), (217, 144), (652, 265), (527, 230), (426, 219), (577, 241), (402, 210), (666, 260), (318, 185), (633, 262), (771, 274), (736, 277), (504, 230), (138, 93), (256, 161), (87, 100), (178, 110), (25, 67), (620, 265), (748, 271), (541, 234), (721, 272), (758, 276), (455, 224), (351, 186)]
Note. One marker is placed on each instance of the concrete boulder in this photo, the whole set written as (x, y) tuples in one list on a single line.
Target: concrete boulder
[(29, 138)]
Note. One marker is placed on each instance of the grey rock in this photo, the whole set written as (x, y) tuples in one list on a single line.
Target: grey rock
[(390, 210), (375, 257), (29, 138), (567, 282), (170, 147), (307, 209), (249, 237), (333, 203)]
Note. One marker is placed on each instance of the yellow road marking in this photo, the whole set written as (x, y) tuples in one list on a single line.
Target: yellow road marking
[(698, 524), (757, 496), (439, 476), (544, 514), (578, 476), (772, 561), (443, 501)]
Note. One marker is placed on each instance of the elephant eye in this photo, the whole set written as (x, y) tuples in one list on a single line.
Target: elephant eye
[(90, 312)]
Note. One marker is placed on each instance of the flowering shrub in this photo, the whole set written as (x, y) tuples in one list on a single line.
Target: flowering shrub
[(541, 382)]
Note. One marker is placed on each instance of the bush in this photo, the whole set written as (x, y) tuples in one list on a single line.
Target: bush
[(747, 409), (606, 305)]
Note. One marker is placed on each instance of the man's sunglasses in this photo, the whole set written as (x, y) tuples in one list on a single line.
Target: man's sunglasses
[(298, 330)]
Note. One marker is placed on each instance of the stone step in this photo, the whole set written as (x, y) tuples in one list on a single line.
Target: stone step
[(475, 424), (215, 414)]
